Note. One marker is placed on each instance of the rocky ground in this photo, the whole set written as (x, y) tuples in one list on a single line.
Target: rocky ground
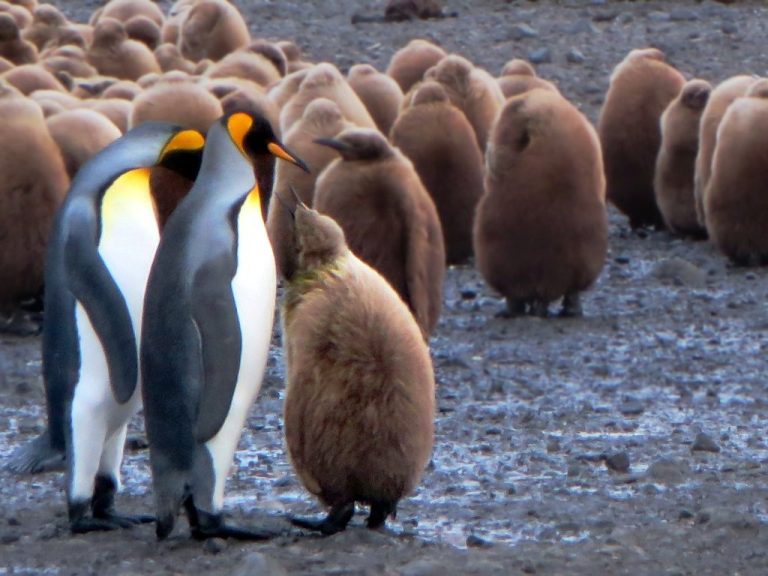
[(631, 441)]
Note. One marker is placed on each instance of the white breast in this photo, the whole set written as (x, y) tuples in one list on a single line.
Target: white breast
[(254, 287)]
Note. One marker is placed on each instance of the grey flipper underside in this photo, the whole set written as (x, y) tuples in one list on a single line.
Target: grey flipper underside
[(92, 285), (215, 315)]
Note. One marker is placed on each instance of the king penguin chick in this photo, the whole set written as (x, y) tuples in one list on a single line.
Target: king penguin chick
[(388, 218), (380, 94), (541, 230), (408, 64), (735, 203), (641, 88), (717, 104), (673, 181), (98, 258), (113, 53), (208, 315), (321, 119), (360, 391), (34, 183), (439, 140), (212, 29)]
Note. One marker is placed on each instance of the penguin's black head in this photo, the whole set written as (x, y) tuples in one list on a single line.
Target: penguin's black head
[(359, 144), (254, 135), (183, 153)]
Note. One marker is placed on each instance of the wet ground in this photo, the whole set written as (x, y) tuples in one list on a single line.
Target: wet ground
[(631, 441)]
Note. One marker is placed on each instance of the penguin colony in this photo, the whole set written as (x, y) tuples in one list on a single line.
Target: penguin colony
[(160, 263)]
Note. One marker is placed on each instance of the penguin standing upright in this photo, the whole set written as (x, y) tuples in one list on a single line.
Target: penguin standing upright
[(360, 392), (208, 315), (103, 241)]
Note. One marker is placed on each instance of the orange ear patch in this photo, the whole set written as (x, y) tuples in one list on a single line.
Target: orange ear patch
[(184, 140), (238, 125)]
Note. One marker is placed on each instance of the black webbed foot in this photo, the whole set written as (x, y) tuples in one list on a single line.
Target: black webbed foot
[(336, 521), (379, 513), (213, 526)]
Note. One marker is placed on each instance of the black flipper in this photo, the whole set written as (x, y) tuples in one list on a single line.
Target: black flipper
[(93, 286), (215, 314)]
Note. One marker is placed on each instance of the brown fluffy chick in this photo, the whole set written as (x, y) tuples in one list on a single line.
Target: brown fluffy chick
[(360, 392), (32, 188), (388, 217)]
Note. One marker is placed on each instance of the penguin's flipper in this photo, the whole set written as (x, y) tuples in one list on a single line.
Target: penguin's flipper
[(92, 285), (417, 271), (215, 314)]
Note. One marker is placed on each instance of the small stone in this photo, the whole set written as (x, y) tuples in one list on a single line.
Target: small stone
[(704, 443), (9, 537), (621, 260), (575, 56), (284, 482), (729, 28), (680, 272), (703, 517), (581, 27), (685, 515), (215, 546), (683, 15), (468, 294), (659, 16), (669, 471), (553, 445), (258, 563), (13, 521), (618, 462), (521, 32), (607, 16), (48, 532), (528, 567), (474, 541), (631, 408), (136, 443), (540, 56)]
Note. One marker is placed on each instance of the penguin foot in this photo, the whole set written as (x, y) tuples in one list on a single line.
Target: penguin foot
[(19, 323), (37, 456), (123, 520), (336, 521), (514, 309), (89, 524), (571, 306), (539, 308), (213, 526), (379, 513)]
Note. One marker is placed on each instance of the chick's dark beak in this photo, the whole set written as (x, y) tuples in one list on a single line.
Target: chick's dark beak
[(332, 143)]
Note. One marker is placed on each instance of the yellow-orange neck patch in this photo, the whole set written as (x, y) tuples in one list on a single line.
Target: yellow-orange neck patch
[(238, 125), (129, 196), (184, 140)]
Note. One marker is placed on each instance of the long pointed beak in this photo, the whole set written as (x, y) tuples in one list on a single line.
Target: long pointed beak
[(332, 143), (279, 150)]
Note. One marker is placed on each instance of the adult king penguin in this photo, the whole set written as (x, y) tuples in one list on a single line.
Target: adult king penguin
[(102, 245), (208, 317)]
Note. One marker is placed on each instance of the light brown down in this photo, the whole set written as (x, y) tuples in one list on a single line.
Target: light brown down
[(360, 394)]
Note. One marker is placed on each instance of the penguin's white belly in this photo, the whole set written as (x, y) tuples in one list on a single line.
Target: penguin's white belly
[(254, 287), (129, 238)]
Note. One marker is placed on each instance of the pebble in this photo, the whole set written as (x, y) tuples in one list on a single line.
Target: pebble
[(669, 471), (618, 462), (575, 56), (729, 28), (474, 541), (540, 56), (659, 17), (605, 16), (683, 15), (704, 443), (215, 546), (631, 408), (522, 32), (9, 537), (680, 272), (48, 532), (258, 563)]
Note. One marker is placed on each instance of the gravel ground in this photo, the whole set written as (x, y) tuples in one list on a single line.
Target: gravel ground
[(631, 441)]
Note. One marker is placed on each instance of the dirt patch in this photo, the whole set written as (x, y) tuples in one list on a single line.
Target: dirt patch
[(563, 446)]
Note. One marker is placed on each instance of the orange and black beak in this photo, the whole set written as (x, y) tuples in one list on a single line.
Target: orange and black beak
[(277, 148)]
